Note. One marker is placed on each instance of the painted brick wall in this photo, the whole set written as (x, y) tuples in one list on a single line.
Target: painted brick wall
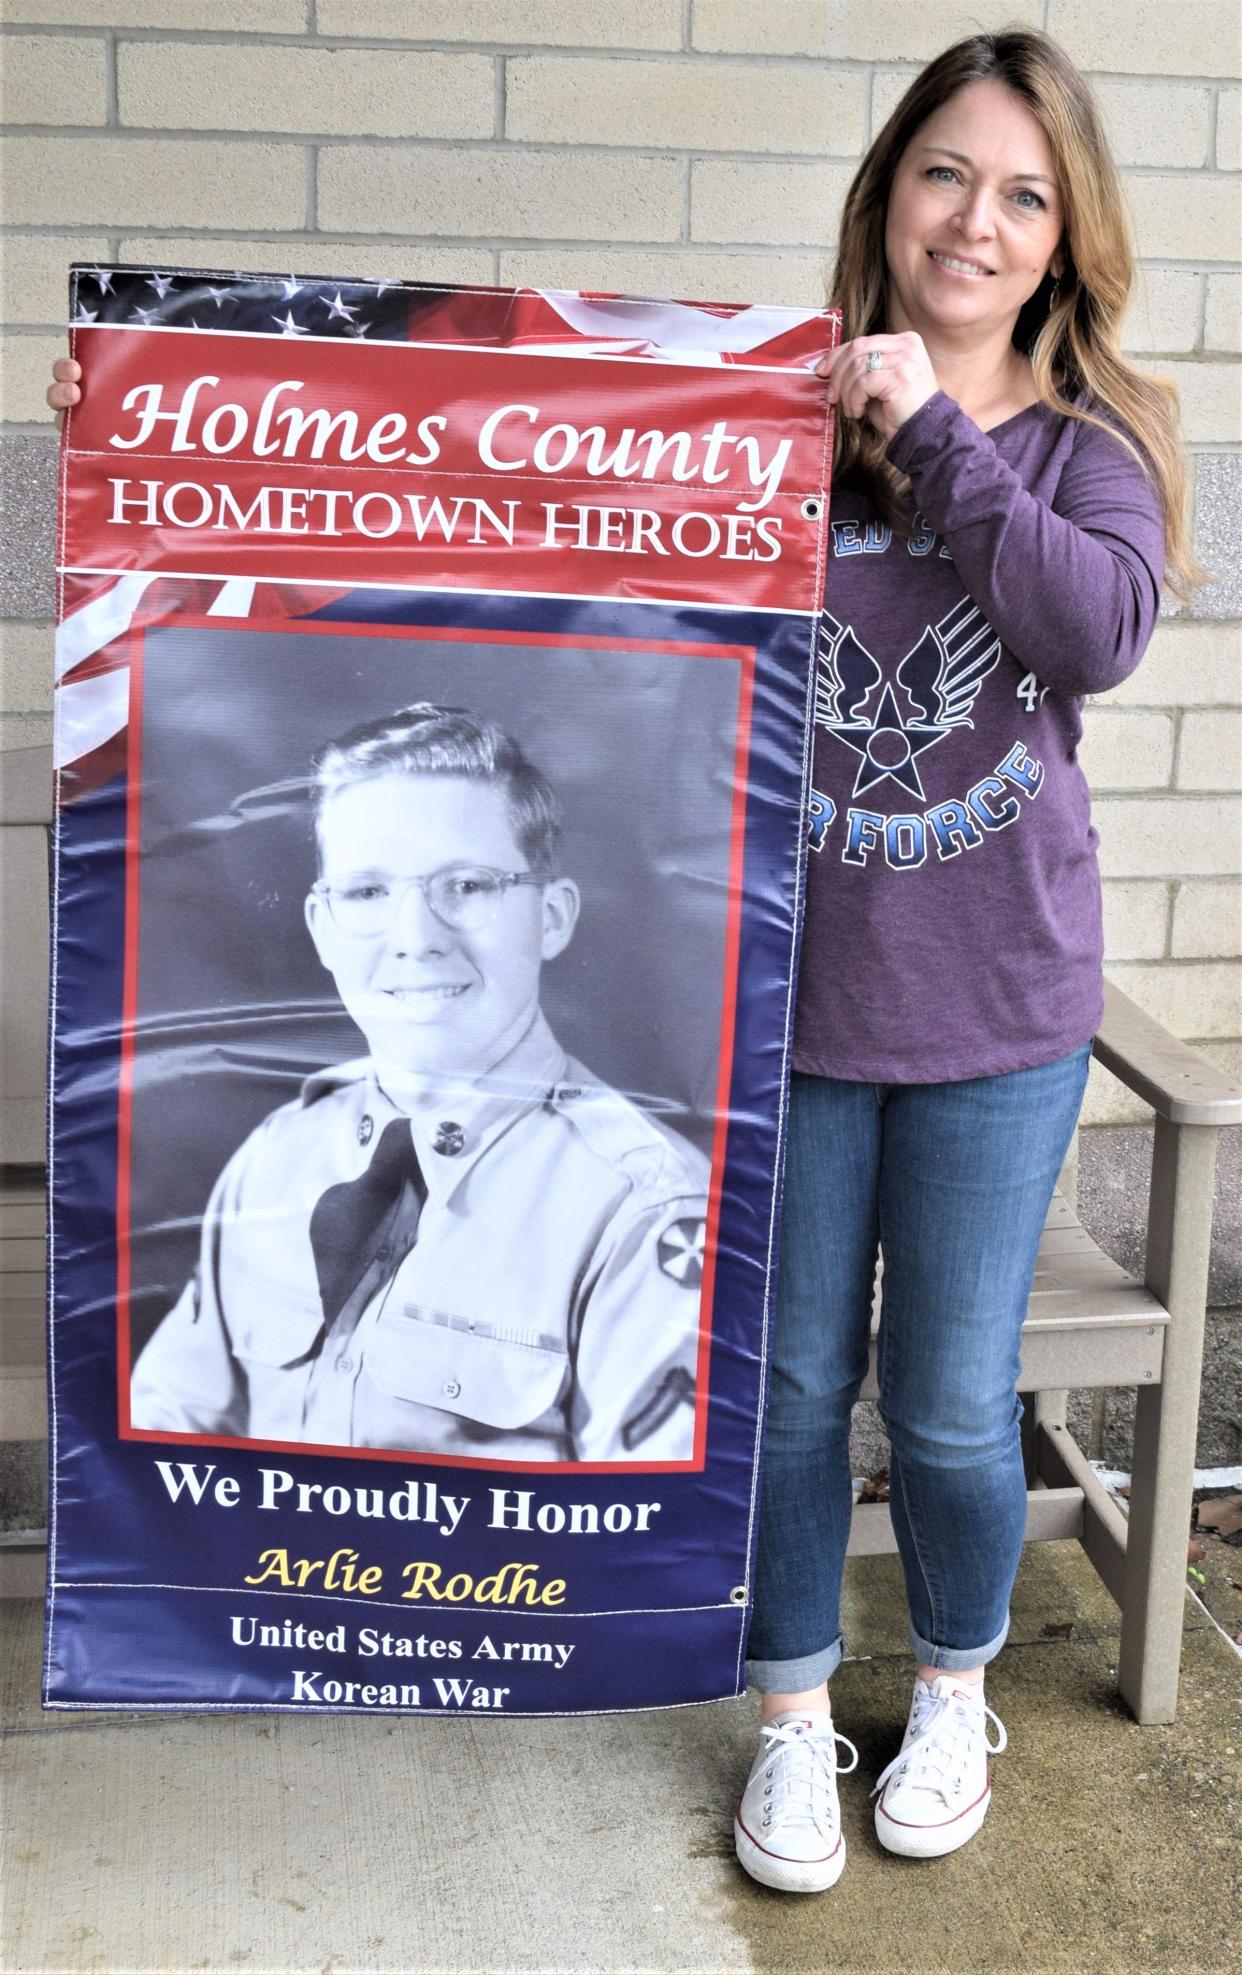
[(691, 147)]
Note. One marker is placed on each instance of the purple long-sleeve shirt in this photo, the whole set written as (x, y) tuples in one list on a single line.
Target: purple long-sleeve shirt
[(953, 898)]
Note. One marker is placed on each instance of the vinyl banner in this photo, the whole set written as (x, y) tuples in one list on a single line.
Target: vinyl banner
[(433, 673)]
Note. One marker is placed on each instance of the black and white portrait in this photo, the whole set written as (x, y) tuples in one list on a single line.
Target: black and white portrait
[(432, 941)]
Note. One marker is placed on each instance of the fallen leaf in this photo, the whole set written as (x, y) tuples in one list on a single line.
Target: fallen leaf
[(1224, 1514), (1195, 1551), (875, 1487)]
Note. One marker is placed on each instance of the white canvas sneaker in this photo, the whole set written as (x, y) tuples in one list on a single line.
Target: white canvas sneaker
[(788, 1825), (935, 1792)]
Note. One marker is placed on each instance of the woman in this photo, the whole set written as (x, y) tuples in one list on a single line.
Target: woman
[(1004, 488)]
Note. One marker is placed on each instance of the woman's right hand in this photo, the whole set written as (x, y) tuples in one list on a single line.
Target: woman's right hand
[(64, 392)]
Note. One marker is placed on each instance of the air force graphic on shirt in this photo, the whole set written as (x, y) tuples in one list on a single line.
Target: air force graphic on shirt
[(891, 724)]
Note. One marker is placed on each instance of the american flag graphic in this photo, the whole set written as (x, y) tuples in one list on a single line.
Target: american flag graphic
[(301, 305), (94, 650)]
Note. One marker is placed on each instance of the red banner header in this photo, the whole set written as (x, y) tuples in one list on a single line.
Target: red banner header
[(294, 467)]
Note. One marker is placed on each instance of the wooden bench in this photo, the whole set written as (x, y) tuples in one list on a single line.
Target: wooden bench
[(1089, 1324)]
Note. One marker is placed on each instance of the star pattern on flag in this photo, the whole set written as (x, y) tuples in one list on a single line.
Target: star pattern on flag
[(679, 1252), (259, 304)]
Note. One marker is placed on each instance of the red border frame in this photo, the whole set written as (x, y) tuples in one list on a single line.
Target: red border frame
[(198, 620)]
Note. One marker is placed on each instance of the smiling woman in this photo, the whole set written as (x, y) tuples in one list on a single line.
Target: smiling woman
[(973, 231), (1007, 496), (990, 199)]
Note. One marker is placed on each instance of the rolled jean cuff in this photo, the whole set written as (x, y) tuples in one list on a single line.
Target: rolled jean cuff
[(796, 1676), (956, 1659)]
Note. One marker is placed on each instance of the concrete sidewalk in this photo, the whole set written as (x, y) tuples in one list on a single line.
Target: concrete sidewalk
[(247, 1844)]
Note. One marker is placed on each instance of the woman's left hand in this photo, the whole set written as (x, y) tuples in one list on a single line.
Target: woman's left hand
[(886, 395)]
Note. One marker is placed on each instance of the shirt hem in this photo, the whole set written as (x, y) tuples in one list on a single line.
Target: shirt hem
[(1034, 1056)]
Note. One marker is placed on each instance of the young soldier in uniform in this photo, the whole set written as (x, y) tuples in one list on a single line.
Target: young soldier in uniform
[(460, 1243)]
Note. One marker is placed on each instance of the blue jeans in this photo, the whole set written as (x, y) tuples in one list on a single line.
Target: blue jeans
[(952, 1181)]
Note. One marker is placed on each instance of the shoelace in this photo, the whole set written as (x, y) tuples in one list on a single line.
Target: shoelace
[(929, 1760), (791, 1788)]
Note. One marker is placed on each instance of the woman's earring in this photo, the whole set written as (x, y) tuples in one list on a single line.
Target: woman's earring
[(1055, 297)]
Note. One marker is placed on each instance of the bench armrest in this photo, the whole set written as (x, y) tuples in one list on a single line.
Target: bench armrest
[(1174, 1079)]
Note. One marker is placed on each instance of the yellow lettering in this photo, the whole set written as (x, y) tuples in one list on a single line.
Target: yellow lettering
[(511, 1584), (277, 1562), (340, 1572), (426, 1577), (487, 1590)]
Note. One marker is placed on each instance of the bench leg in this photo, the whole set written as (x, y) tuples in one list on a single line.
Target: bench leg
[(1179, 1233), (1030, 1440), (1051, 1407)]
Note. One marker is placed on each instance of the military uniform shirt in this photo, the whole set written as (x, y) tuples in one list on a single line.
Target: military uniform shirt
[(536, 1297)]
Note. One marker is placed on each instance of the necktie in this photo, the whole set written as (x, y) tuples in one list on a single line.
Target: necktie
[(348, 1219)]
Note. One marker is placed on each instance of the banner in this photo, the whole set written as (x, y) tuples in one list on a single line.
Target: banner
[(433, 672)]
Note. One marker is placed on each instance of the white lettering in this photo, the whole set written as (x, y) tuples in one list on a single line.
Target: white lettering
[(634, 456), (390, 505), (185, 1479), (267, 411), (491, 426), (147, 399), (390, 427), (514, 1508), (427, 430), (150, 517), (426, 514)]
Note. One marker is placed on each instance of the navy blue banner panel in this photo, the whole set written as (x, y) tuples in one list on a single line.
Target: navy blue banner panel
[(431, 742)]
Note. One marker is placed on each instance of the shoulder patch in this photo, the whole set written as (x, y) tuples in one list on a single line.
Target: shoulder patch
[(679, 1250)]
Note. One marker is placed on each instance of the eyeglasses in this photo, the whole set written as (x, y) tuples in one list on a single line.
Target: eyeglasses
[(464, 897)]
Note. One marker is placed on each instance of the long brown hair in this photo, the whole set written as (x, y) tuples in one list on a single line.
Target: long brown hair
[(1071, 331)]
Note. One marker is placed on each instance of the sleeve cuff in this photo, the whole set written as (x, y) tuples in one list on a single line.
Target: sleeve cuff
[(922, 432)]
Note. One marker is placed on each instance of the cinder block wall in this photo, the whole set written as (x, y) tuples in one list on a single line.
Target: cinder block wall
[(691, 147)]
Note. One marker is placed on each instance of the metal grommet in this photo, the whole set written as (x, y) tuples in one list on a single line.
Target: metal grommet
[(737, 1595), (812, 508)]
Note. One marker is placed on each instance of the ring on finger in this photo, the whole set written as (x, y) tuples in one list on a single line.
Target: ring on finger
[(874, 361)]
